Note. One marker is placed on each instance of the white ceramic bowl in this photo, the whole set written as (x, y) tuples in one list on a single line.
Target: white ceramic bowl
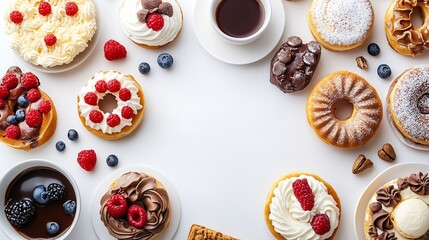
[(5, 226)]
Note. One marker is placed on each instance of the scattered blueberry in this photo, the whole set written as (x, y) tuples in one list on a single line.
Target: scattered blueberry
[(23, 101), (40, 195), (112, 160), (373, 49), (56, 192), (384, 71), (72, 135), (52, 227), (20, 115), (69, 207), (165, 60), (60, 146), (20, 212), (144, 67), (12, 120)]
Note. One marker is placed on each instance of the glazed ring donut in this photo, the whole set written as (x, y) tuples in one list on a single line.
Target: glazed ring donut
[(367, 113), (402, 36), (128, 113), (341, 24)]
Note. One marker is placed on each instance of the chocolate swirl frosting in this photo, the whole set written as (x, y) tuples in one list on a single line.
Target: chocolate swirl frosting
[(389, 196), (372, 232), (382, 220), (143, 190), (419, 183), (416, 40), (387, 236)]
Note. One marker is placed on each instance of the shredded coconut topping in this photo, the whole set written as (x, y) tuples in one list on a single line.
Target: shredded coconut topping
[(342, 22)]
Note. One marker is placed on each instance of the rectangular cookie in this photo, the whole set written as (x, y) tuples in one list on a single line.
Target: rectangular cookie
[(198, 232)]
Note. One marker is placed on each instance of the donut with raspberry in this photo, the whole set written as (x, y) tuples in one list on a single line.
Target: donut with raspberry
[(125, 116), (28, 117)]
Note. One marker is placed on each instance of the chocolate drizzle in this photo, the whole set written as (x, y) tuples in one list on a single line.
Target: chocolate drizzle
[(419, 183), (150, 6), (382, 220), (389, 196)]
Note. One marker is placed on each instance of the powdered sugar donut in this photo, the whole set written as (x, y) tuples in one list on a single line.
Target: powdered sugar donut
[(342, 24), (124, 118)]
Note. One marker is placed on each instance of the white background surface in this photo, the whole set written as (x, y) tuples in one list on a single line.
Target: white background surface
[(221, 133)]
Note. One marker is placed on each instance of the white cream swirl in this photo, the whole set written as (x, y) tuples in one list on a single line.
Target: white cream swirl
[(140, 33), (72, 32), (134, 102), (288, 217)]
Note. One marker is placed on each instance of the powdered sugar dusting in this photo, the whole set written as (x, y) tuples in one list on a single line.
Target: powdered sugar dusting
[(342, 22)]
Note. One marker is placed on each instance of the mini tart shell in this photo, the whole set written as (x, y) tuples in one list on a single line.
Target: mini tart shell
[(331, 191), (47, 129), (136, 120)]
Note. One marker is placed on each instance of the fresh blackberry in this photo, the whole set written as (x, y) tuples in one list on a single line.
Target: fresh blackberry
[(56, 192), (20, 212)]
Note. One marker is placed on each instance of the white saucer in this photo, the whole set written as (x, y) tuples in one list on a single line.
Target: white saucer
[(176, 207), (238, 54), (394, 172)]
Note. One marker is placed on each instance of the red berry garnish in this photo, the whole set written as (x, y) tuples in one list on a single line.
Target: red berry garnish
[(321, 224), (50, 40), (71, 8), (127, 112), (87, 159), (114, 50), (101, 86), (29, 80), (117, 206), (33, 95), (4, 92), (96, 116), (45, 106), (10, 80), (33, 118), (137, 216), (45, 8), (303, 193), (16, 17), (155, 21), (91, 98), (113, 85), (113, 120), (13, 132), (125, 94), (2, 104)]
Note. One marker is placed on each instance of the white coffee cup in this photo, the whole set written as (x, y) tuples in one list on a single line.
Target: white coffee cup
[(266, 4)]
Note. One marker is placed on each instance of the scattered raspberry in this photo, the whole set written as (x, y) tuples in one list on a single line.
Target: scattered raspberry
[(155, 21), (13, 132), (114, 50), (127, 112), (113, 120), (29, 80), (33, 118), (4, 92), (10, 80), (113, 85), (137, 216), (303, 193), (2, 104), (87, 159), (117, 206), (45, 8), (45, 106), (321, 224), (96, 116), (71, 8), (91, 98), (124, 94), (33, 95), (16, 17), (50, 40), (101, 86)]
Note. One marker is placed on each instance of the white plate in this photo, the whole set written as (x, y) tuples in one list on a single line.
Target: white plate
[(176, 207), (238, 54), (394, 172)]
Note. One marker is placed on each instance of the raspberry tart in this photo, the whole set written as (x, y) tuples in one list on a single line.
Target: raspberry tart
[(302, 206), (27, 115), (124, 118)]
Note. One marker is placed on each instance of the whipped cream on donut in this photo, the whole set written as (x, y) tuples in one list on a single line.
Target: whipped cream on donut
[(72, 32), (140, 33), (125, 82), (288, 217)]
